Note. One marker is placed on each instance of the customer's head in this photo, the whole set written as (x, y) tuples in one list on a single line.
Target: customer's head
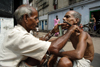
[(72, 17), (26, 16)]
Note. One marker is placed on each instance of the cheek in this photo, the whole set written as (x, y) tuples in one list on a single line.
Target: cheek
[(32, 23), (72, 21)]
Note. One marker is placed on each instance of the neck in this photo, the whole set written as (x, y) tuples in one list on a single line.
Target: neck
[(24, 25), (27, 30), (57, 18)]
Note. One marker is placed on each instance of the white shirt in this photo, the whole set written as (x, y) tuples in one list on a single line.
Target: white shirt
[(18, 44)]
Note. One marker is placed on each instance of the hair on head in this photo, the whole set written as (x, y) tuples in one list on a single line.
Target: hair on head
[(20, 11)]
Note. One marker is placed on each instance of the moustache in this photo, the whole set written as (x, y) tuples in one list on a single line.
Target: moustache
[(67, 23)]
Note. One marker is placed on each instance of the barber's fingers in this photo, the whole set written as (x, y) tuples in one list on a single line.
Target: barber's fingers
[(78, 30), (63, 25), (74, 28)]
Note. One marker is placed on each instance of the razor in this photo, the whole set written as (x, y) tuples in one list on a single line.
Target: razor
[(67, 23)]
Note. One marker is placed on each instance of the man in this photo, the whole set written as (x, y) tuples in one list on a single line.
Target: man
[(83, 52), (92, 22), (20, 44)]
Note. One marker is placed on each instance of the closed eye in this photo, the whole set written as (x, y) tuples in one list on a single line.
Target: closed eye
[(36, 18)]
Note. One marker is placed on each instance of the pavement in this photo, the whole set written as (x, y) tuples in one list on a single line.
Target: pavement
[(96, 42)]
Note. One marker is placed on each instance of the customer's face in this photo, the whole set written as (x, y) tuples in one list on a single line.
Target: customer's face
[(69, 18), (33, 20)]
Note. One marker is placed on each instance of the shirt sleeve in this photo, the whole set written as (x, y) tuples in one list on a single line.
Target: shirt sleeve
[(33, 47)]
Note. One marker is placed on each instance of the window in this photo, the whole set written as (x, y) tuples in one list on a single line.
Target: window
[(55, 4)]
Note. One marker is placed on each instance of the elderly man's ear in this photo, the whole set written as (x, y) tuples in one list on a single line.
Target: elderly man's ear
[(25, 17), (77, 20)]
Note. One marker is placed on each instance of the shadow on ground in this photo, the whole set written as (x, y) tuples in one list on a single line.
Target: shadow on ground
[(96, 60)]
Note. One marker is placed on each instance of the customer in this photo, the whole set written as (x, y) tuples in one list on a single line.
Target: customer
[(83, 52)]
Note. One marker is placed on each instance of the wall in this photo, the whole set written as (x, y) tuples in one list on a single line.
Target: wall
[(51, 7), (6, 25), (83, 9), (62, 3)]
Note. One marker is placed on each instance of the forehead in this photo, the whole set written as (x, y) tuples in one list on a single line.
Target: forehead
[(69, 13), (34, 12)]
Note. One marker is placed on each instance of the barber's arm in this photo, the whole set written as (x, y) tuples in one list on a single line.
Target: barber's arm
[(60, 42)]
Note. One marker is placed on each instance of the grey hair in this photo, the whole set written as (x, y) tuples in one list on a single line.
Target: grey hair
[(21, 11), (77, 15)]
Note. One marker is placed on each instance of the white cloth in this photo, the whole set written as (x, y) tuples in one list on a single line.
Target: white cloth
[(82, 63), (18, 44)]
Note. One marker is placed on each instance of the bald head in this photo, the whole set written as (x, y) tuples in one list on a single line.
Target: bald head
[(23, 9), (76, 15)]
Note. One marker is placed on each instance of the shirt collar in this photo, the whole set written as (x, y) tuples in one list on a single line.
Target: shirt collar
[(20, 27)]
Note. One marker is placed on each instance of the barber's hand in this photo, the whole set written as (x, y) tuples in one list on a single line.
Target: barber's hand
[(56, 28), (74, 28)]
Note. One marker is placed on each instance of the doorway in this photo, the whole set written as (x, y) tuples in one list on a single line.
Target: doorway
[(96, 14), (42, 25)]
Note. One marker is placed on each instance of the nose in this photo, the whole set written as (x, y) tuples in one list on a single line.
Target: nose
[(37, 20), (64, 18)]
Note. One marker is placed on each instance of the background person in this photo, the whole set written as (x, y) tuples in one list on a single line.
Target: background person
[(93, 22), (37, 30), (56, 21)]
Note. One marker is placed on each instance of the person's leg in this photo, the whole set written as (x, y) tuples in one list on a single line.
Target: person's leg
[(64, 62)]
